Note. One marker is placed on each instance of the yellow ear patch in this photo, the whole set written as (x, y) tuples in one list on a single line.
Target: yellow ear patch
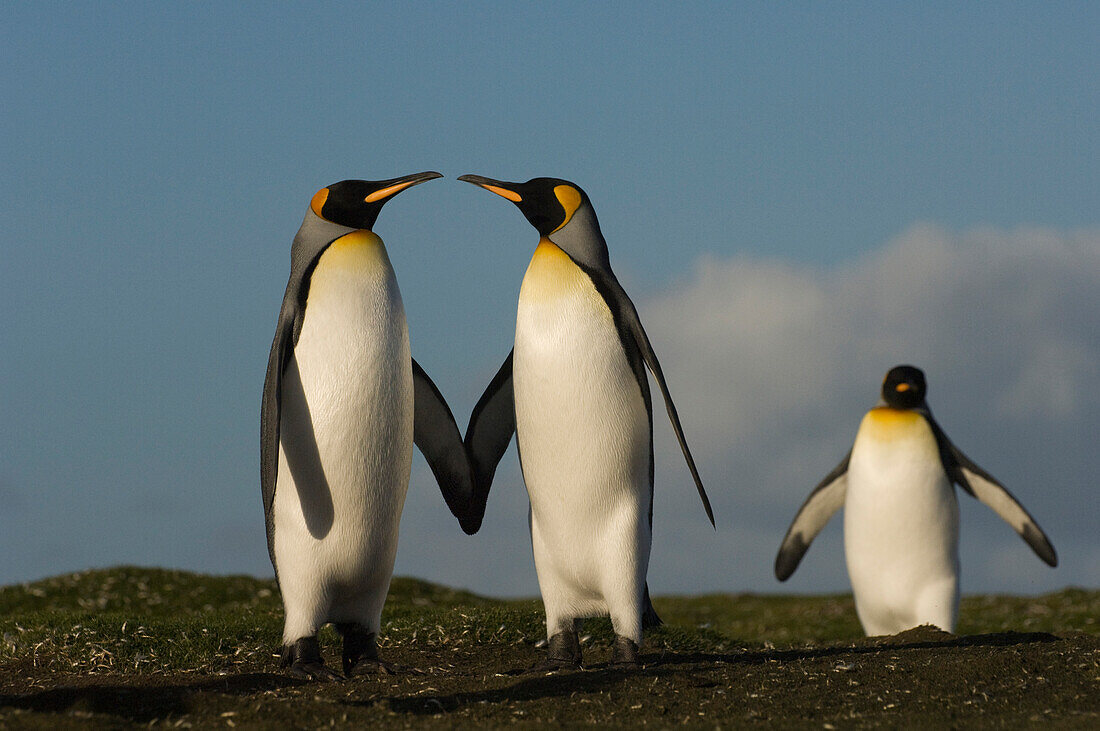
[(570, 199), (901, 387), (318, 201), (504, 193)]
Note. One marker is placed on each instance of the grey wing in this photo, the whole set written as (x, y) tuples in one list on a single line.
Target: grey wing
[(436, 434), (633, 325), (310, 241), (983, 486), (281, 348), (492, 424), (823, 502)]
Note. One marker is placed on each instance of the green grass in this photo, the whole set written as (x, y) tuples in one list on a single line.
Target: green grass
[(139, 648), (128, 620), (153, 620)]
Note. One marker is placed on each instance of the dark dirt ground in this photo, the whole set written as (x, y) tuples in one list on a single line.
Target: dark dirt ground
[(60, 670), (921, 677)]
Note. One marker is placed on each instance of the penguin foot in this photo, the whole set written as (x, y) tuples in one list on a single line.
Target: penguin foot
[(303, 660), (372, 665), (314, 671), (564, 654), (361, 651), (624, 654)]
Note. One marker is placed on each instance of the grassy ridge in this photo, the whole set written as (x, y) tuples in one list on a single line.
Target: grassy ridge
[(138, 648), (128, 620)]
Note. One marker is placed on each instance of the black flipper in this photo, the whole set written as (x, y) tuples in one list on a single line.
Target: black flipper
[(823, 502), (286, 335), (492, 424), (983, 486), (626, 317), (310, 242), (436, 434)]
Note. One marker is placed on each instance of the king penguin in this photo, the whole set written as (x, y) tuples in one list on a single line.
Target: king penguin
[(901, 515), (343, 403), (574, 391)]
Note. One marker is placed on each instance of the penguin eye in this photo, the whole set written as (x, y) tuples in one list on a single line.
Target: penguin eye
[(318, 201)]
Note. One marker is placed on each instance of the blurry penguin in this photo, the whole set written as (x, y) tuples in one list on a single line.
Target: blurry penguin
[(901, 516)]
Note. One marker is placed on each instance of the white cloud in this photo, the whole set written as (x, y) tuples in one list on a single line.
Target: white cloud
[(772, 364)]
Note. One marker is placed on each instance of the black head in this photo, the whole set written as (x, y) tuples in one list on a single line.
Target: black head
[(356, 203), (548, 203), (904, 387)]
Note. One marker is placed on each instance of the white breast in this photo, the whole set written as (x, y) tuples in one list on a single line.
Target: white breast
[(583, 434), (346, 426), (901, 525)]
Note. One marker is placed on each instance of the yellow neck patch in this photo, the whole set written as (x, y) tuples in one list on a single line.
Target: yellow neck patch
[(570, 199), (356, 250), (884, 422), (550, 274)]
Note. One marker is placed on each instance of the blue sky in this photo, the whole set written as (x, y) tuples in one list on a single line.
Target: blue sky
[(797, 196)]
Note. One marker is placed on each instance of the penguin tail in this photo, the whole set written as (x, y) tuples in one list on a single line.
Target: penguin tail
[(649, 614)]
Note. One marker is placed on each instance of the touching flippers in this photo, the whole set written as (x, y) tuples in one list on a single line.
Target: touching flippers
[(436, 434), (492, 424)]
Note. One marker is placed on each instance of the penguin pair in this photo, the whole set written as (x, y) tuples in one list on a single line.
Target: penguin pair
[(901, 515), (344, 403)]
